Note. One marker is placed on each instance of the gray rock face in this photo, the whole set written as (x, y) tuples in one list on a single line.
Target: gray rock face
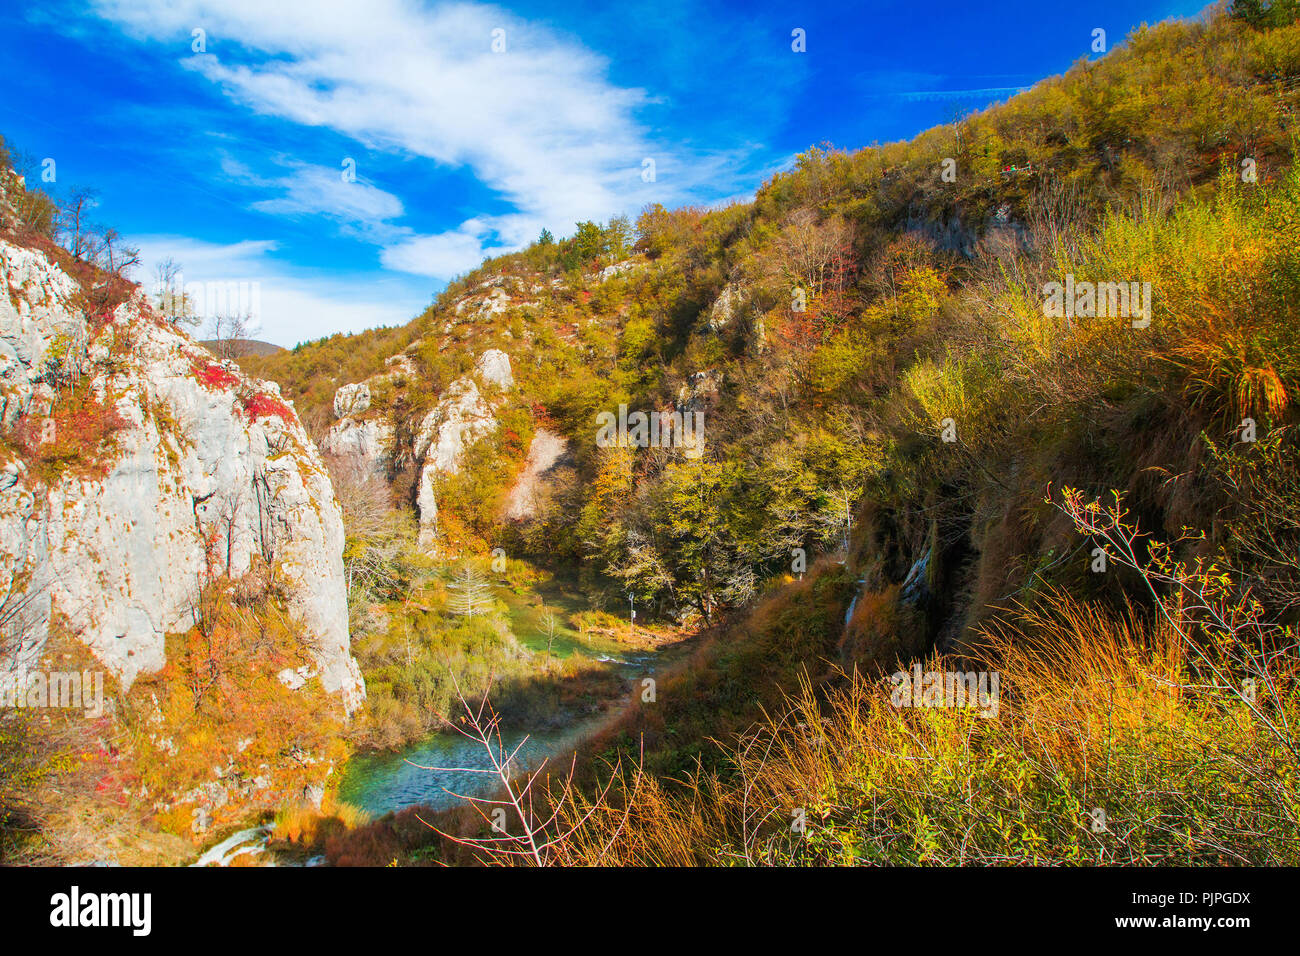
[(462, 416), (493, 367), (351, 400), (456, 422), (369, 442), (210, 471), (426, 504), (726, 307), (37, 330), (547, 452)]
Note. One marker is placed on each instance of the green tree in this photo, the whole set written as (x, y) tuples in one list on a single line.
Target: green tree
[(702, 555), (588, 242), (1265, 13), (618, 237)]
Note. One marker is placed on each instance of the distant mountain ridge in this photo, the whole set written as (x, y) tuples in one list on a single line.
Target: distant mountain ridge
[(241, 348)]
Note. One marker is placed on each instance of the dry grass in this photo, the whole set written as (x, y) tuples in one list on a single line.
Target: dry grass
[(1098, 713)]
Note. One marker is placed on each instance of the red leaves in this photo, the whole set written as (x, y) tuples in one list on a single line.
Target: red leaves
[(212, 375), (76, 436), (541, 414), (262, 405), (258, 405)]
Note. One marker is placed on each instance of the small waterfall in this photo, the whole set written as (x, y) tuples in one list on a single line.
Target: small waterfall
[(848, 615), (231, 846)]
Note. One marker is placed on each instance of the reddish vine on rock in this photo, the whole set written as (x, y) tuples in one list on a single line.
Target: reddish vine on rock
[(262, 405), (212, 375)]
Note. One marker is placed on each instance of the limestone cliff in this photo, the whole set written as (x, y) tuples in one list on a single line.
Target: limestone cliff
[(136, 468), (463, 414)]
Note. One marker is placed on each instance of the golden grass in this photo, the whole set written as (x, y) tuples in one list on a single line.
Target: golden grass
[(1099, 714)]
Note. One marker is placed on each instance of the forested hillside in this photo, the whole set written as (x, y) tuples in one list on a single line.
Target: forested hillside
[(716, 499), (830, 327), (953, 391)]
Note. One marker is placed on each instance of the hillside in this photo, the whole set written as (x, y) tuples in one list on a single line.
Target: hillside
[(920, 302), (936, 506), (892, 405), (241, 348)]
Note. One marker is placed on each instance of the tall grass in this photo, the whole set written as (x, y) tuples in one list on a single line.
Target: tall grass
[(1104, 751)]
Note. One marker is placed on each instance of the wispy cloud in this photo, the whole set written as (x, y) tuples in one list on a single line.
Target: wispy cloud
[(447, 253), (539, 123), (358, 208)]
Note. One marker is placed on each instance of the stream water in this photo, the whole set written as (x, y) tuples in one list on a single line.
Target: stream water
[(382, 782)]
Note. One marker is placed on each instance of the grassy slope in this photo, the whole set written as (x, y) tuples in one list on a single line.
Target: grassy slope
[(1136, 163)]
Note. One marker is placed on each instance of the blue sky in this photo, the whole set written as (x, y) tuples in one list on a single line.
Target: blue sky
[(227, 150)]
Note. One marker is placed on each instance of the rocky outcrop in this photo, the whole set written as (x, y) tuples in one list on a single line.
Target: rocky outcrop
[(369, 443), (496, 302), (699, 391), (618, 269), (351, 400), (459, 419), (464, 413), (192, 471), (727, 307), (547, 453)]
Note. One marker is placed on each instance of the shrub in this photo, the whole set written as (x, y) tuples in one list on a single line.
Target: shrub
[(79, 437), (214, 376), (262, 405)]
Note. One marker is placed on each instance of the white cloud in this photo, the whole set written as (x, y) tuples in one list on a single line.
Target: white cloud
[(458, 250), (358, 207), (540, 123), (293, 306), (444, 254)]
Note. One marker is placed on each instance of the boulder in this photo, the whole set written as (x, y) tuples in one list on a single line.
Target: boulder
[(493, 367)]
